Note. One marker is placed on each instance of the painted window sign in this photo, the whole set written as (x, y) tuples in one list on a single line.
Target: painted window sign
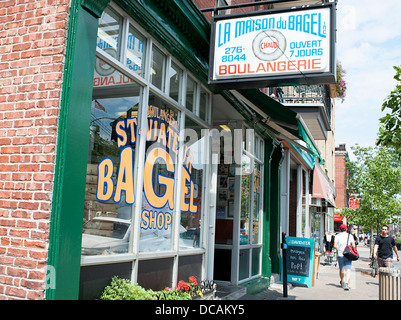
[(273, 44), (158, 185)]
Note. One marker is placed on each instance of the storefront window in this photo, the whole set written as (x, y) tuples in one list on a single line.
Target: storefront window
[(191, 204), (203, 105), (315, 223), (95, 278), (191, 94), (158, 68), (136, 54), (107, 211), (175, 82), (109, 32), (129, 221), (256, 261), (161, 159), (245, 199), (244, 264), (257, 203), (155, 274), (190, 266)]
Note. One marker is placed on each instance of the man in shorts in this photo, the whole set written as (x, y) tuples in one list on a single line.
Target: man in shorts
[(384, 246), (340, 242)]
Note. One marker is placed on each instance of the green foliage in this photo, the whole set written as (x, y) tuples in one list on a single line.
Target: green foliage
[(375, 177), (390, 129), (123, 289)]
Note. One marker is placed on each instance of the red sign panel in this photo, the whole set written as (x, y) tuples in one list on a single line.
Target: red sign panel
[(353, 203)]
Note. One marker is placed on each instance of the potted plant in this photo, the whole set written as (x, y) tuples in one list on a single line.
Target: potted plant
[(123, 289)]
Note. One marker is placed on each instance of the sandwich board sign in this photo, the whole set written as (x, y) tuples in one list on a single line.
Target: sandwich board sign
[(300, 255)]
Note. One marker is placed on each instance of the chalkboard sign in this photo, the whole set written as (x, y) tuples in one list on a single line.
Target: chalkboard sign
[(300, 253)]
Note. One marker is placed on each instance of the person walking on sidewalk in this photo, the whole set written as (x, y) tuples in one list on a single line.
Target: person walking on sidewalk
[(384, 246), (340, 242)]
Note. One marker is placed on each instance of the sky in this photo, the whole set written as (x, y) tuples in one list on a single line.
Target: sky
[(368, 46)]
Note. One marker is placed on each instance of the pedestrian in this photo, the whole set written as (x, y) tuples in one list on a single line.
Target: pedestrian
[(340, 242), (384, 246), (354, 236)]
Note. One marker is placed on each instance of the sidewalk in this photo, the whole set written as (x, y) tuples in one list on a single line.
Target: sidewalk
[(327, 286)]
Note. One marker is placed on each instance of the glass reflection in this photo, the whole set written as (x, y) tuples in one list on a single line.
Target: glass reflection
[(109, 32), (190, 229), (159, 176), (107, 223)]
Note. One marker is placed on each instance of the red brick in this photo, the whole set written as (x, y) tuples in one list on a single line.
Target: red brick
[(17, 292), (32, 46)]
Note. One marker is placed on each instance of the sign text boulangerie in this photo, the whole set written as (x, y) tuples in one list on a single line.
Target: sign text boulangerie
[(273, 47)]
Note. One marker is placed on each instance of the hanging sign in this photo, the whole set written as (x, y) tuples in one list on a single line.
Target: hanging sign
[(300, 252), (353, 203), (276, 47)]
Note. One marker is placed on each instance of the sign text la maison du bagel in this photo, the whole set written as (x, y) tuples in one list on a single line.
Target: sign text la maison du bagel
[(295, 45)]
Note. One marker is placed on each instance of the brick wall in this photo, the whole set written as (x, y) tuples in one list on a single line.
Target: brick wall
[(32, 46), (341, 181)]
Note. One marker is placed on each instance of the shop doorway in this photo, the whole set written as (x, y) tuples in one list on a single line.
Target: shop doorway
[(238, 239)]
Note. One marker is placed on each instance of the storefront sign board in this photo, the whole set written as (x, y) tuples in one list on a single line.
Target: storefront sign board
[(276, 47), (300, 255)]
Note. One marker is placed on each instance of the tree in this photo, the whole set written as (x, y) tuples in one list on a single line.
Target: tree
[(375, 176), (390, 129)]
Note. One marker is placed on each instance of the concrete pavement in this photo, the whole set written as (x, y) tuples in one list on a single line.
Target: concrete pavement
[(327, 285)]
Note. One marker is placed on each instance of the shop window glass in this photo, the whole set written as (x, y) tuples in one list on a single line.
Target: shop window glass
[(255, 261), (93, 279), (315, 222), (245, 199), (108, 78), (136, 44), (109, 32), (155, 274), (248, 140), (203, 105), (257, 203), (158, 68), (158, 201), (175, 82), (193, 173), (191, 94), (243, 264), (108, 202), (190, 266)]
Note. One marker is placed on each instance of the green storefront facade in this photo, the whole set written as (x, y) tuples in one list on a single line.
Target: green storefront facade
[(168, 76)]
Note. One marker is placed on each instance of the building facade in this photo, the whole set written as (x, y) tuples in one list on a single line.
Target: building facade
[(118, 158), (342, 174)]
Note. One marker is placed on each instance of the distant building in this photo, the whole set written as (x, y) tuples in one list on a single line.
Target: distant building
[(341, 182)]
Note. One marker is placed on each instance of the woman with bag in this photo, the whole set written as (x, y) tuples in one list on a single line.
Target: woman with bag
[(340, 242)]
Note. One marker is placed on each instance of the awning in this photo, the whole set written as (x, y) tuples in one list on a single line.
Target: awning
[(309, 142), (322, 187), (338, 218), (305, 157)]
